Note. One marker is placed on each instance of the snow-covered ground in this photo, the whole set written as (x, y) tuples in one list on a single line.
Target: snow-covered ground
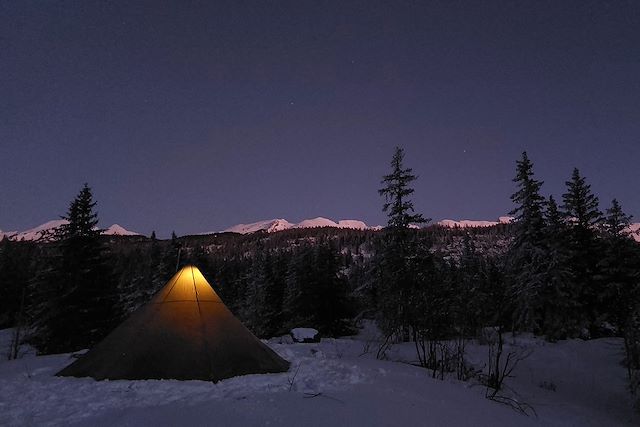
[(334, 382)]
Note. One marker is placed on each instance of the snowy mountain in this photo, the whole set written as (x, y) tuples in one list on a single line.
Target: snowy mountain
[(465, 223), (316, 222), (273, 225), (270, 226), (47, 231), (635, 231), (354, 223), (41, 232), (118, 230)]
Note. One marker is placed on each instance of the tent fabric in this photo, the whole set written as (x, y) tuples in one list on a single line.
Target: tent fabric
[(186, 333)]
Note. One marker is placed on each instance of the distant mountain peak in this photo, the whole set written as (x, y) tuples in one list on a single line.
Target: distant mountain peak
[(46, 231), (634, 229), (273, 225), (118, 230), (270, 226), (466, 223)]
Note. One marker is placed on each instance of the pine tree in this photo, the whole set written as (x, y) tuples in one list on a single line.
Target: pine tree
[(396, 191), (14, 273), (468, 286), (79, 291), (616, 223), (299, 299), (82, 220), (580, 204), (559, 307), (581, 213), (527, 255), (395, 279), (264, 295), (529, 210), (619, 269), (332, 306)]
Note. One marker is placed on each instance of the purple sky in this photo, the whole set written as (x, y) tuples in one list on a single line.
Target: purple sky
[(194, 116)]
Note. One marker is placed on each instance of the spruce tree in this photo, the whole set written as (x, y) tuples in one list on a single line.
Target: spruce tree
[(299, 299), (527, 255), (396, 190), (529, 211), (79, 290), (332, 306), (581, 205), (619, 270), (616, 223), (14, 270), (395, 279), (559, 307), (583, 217), (82, 220), (264, 295)]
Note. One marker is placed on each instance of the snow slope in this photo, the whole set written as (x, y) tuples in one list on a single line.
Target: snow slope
[(465, 223), (273, 225), (635, 231), (353, 223), (117, 230), (316, 222), (42, 232), (47, 230), (335, 382), (270, 226)]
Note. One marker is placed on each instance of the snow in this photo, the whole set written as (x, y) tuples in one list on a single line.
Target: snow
[(42, 232), (270, 226), (466, 223), (316, 222), (273, 225), (7, 234), (336, 381), (353, 223), (635, 231), (47, 231), (117, 230)]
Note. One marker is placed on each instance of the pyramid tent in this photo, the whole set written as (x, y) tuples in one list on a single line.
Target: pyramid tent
[(185, 332)]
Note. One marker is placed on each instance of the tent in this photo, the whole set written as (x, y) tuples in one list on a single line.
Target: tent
[(185, 332)]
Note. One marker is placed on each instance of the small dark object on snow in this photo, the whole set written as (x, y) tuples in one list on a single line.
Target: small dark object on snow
[(305, 335)]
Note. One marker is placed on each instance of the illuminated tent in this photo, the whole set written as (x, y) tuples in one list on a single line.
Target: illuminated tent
[(185, 332)]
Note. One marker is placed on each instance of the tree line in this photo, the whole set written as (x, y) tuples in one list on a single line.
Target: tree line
[(561, 269)]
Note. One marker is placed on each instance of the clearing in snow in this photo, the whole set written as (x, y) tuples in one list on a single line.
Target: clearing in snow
[(334, 382)]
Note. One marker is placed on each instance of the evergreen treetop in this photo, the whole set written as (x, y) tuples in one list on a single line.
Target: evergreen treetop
[(580, 204), (396, 191), (616, 222), (530, 204), (82, 220)]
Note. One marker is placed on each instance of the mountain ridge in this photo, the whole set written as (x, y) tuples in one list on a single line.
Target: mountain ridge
[(279, 224), (46, 231)]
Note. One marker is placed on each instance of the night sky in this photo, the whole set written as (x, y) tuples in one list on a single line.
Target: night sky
[(194, 116)]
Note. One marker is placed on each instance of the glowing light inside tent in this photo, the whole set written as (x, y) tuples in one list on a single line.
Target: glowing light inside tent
[(188, 284)]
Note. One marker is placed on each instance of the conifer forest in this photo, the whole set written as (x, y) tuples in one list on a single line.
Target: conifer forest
[(564, 267)]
